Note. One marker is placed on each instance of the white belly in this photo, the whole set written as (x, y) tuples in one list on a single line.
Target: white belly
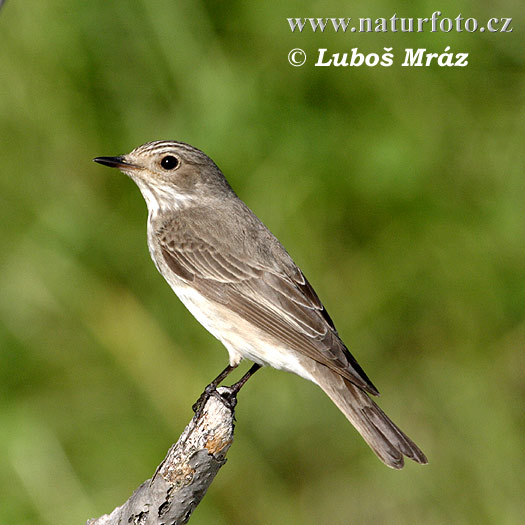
[(241, 338)]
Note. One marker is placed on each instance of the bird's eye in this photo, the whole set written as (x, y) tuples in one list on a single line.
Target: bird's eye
[(169, 162)]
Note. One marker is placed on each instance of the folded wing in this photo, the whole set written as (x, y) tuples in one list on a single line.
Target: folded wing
[(284, 306)]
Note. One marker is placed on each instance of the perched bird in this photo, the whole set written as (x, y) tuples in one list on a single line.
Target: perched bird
[(239, 282)]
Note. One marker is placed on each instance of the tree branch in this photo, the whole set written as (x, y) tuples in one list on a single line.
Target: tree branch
[(182, 479)]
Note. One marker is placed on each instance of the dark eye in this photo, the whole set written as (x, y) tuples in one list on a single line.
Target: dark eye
[(169, 162)]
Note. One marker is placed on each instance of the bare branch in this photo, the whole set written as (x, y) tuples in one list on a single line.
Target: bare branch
[(182, 479)]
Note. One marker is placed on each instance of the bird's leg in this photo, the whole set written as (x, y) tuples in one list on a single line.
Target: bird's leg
[(237, 386), (230, 392), (222, 376), (211, 389)]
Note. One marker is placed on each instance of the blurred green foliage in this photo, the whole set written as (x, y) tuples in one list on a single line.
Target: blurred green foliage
[(398, 190)]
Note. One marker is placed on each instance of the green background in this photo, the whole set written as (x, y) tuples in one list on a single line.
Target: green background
[(399, 191)]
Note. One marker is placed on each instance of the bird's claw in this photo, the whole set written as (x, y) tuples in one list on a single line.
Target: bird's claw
[(227, 395)]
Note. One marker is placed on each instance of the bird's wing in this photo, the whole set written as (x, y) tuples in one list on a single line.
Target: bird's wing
[(286, 308)]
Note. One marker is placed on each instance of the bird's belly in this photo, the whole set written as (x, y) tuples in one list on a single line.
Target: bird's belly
[(242, 339)]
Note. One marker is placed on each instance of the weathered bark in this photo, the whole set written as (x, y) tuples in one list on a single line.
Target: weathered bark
[(182, 479)]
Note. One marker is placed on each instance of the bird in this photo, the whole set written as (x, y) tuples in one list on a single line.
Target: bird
[(241, 284)]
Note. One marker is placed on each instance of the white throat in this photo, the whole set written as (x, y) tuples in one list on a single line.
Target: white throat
[(159, 199)]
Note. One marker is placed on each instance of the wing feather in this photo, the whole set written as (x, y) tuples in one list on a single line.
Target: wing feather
[(286, 308)]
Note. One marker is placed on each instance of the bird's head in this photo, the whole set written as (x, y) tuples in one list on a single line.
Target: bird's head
[(171, 174)]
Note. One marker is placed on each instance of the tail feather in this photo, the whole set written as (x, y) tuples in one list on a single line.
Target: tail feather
[(388, 442)]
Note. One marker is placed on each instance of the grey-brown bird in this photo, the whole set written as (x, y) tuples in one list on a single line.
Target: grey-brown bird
[(239, 282)]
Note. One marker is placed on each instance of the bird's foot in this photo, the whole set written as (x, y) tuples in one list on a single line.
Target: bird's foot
[(227, 394), (209, 391)]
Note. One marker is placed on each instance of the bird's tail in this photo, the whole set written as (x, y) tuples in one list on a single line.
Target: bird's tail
[(382, 435)]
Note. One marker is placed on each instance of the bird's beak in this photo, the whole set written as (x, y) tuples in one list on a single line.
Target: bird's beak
[(114, 162)]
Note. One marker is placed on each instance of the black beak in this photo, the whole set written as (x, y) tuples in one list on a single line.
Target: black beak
[(113, 162)]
